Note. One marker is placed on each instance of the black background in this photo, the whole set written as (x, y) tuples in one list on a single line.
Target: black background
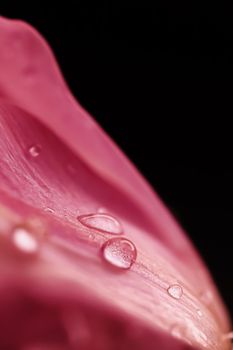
[(159, 81)]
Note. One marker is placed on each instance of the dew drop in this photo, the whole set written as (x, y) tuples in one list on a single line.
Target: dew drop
[(24, 240), (175, 291), (34, 150), (119, 252), (102, 222)]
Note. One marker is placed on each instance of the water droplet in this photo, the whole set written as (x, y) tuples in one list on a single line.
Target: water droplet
[(24, 240), (119, 252), (199, 312), (34, 150), (175, 291), (101, 222)]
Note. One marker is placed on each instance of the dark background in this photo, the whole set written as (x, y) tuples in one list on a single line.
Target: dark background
[(159, 81)]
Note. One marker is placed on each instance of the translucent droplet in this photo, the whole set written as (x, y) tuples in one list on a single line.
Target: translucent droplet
[(24, 240), (34, 150), (119, 252), (175, 291), (101, 222)]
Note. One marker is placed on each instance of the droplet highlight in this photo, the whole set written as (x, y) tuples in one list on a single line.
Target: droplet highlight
[(34, 151), (119, 252), (102, 222), (175, 291), (24, 240)]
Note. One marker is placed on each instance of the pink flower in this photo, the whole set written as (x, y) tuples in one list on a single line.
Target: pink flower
[(89, 256)]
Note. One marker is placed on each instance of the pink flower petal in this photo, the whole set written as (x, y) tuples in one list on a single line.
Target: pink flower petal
[(57, 164)]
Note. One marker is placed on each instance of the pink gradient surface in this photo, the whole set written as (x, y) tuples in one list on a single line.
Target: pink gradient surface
[(65, 297)]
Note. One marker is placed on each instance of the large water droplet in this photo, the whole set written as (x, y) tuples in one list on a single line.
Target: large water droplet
[(175, 291), (119, 252), (102, 222), (24, 240), (34, 150)]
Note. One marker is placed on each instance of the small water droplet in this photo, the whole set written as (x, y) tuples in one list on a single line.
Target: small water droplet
[(24, 240), (34, 150), (101, 222), (199, 312), (175, 291), (119, 252)]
